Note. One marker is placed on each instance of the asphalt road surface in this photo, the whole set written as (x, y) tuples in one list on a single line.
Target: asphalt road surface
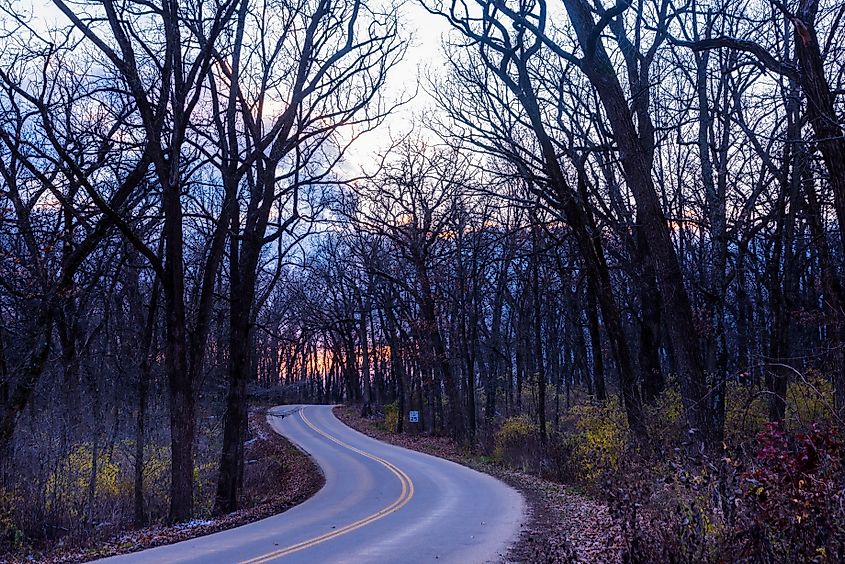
[(381, 503)]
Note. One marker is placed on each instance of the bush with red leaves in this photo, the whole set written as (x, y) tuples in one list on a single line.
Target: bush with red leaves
[(781, 501), (794, 493)]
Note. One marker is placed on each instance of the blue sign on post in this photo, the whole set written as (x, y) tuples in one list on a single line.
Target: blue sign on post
[(414, 416)]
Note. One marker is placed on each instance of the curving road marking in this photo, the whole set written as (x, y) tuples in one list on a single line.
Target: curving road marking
[(404, 497)]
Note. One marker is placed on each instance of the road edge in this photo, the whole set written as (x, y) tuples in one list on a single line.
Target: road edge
[(530, 501)]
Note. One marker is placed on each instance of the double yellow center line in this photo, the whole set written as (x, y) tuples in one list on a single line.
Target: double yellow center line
[(404, 497)]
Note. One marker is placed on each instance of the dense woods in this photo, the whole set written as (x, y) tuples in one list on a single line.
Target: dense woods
[(610, 252)]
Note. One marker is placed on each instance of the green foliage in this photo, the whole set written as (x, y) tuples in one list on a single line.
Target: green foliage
[(809, 400), (515, 442), (391, 417), (70, 482), (601, 437), (746, 412)]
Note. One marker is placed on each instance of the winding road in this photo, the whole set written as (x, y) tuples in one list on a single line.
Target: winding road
[(380, 503)]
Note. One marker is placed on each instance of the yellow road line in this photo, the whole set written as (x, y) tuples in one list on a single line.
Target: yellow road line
[(404, 497)]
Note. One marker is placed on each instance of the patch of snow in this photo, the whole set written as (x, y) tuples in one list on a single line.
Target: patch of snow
[(194, 523)]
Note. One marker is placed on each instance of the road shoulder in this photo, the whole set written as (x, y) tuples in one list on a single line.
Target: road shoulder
[(561, 525)]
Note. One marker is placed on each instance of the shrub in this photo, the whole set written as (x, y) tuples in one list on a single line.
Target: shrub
[(668, 406), (794, 495), (808, 400), (391, 417), (70, 483), (560, 461), (746, 412), (663, 421), (786, 503), (517, 443), (676, 514), (601, 437), (11, 536)]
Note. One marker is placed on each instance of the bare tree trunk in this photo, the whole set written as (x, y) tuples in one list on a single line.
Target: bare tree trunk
[(396, 364), (651, 373), (365, 357), (435, 338), (834, 292), (495, 352), (181, 387), (821, 115), (782, 275), (539, 362), (378, 373), (144, 373), (595, 344), (636, 165)]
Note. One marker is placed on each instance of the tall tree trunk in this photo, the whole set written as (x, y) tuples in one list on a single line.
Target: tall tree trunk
[(821, 113), (834, 292), (181, 386), (144, 374), (595, 344), (241, 294), (782, 277), (396, 364), (830, 135), (495, 350), (574, 207), (651, 373), (363, 341), (715, 188), (438, 347), (539, 362), (636, 161)]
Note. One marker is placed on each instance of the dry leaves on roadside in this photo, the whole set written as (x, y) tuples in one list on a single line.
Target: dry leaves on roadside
[(561, 526)]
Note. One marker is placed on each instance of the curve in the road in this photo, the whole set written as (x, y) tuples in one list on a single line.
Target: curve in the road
[(404, 497), (380, 503)]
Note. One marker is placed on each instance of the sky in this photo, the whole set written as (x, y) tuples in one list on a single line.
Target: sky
[(424, 55)]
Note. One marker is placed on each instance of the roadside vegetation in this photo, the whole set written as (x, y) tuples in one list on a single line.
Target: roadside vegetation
[(603, 247), (277, 476), (771, 493)]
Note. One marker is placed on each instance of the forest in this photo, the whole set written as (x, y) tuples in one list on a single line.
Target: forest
[(607, 252)]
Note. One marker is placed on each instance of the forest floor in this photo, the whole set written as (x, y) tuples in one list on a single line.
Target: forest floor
[(277, 477), (562, 524)]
